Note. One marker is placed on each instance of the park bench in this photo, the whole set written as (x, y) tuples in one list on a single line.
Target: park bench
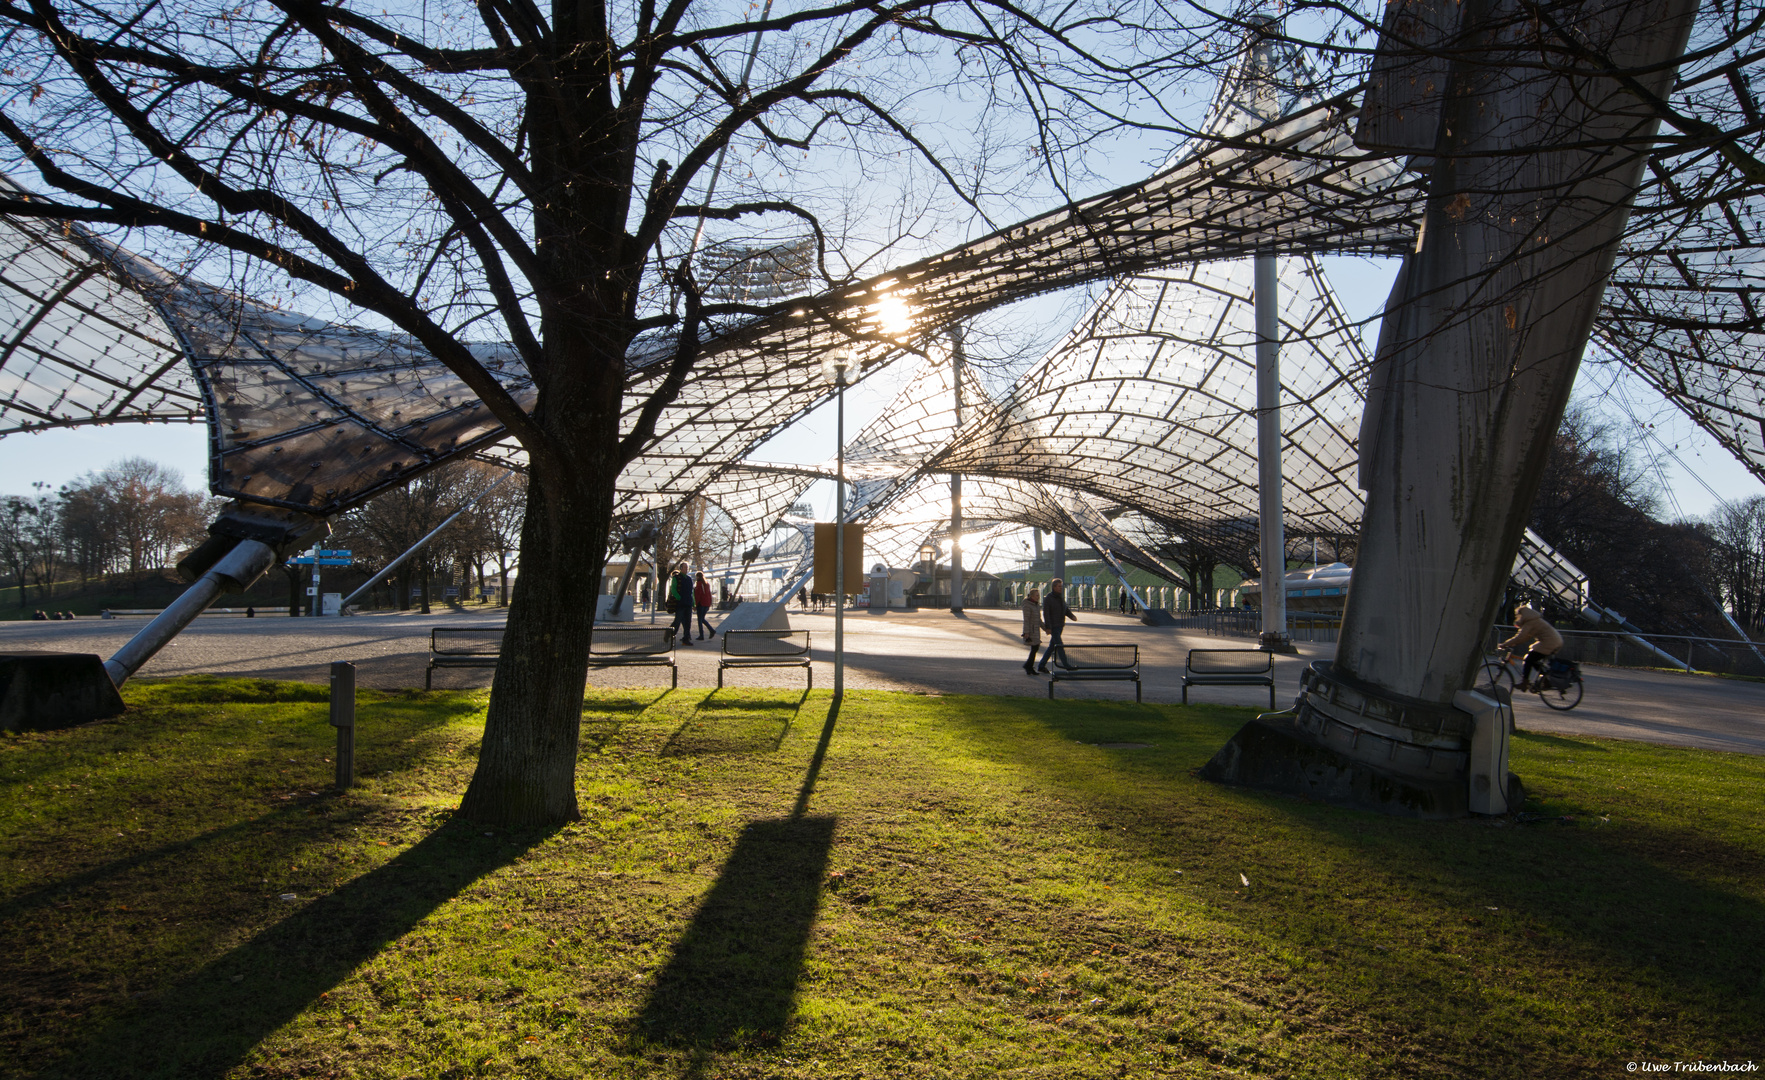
[(1096, 663), (481, 646), (462, 647), (1229, 667), (634, 646), (765, 648)]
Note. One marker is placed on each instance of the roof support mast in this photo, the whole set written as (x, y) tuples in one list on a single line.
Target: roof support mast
[(1272, 528)]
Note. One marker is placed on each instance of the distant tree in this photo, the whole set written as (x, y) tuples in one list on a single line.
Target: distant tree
[(1597, 506), (90, 542), (499, 515), (15, 544), (133, 516), (393, 522), (1737, 559), (38, 524)]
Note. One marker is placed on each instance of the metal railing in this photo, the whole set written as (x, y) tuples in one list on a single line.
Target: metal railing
[(1247, 622), (1723, 656)]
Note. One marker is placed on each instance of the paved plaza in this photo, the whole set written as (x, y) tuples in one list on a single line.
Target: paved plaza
[(924, 651)]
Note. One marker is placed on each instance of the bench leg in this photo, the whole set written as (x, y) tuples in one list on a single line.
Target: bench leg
[(1050, 689), (1271, 695), (1138, 700), (1185, 693), (720, 677), (809, 671), (674, 676), (428, 674)]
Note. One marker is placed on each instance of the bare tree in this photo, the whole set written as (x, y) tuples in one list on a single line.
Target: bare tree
[(1738, 558), (395, 521), (504, 171), (133, 516), (16, 547)]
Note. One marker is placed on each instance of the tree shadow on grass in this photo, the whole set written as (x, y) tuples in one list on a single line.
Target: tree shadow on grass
[(733, 727), (207, 1024), (733, 976), (392, 740), (1638, 902)]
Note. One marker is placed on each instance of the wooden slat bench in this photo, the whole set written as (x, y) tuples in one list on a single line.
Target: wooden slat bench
[(1096, 663), (1229, 667), (462, 647), (634, 646), (765, 648)]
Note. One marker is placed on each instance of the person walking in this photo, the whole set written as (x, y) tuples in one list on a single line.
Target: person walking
[(680, 590), (1054, 616), (702, 603), (1032, 628)]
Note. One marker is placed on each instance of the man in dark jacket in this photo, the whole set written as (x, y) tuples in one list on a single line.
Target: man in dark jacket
[(1054, 616), (680, 590)]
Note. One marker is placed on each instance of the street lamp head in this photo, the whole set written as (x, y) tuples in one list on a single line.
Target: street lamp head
[(837, 368)]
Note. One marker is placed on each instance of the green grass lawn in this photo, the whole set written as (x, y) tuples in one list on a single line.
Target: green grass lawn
[(925, 887)]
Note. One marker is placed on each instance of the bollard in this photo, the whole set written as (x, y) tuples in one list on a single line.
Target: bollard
[(343, 719)]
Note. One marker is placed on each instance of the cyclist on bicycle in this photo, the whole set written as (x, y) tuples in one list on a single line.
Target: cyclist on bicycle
[(1531, 629)]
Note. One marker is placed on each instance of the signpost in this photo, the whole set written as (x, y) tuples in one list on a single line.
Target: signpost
[(316, 558)]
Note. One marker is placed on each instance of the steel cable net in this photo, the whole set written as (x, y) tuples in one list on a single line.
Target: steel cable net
[(319, 417), (1138, 426)]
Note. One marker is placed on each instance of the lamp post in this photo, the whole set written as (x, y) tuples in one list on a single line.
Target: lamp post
[(836, 369)]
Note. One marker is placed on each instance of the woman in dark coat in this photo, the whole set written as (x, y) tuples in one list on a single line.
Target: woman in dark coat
[(1032, 627)]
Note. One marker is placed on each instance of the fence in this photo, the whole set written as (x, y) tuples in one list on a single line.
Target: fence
[(1247, 622), (1719, 655)]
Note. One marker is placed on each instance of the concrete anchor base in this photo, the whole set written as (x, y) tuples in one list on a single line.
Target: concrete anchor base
[(1270, 753), (41, 691)]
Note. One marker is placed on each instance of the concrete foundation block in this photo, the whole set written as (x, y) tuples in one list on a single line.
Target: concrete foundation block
[(1271, 754), (1157, 616), (41, 691), (757, 615)]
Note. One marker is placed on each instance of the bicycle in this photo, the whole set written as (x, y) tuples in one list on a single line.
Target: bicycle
[(1559, 685)]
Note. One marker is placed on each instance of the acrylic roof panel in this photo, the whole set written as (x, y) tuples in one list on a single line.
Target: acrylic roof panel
[(918, 512), (1176, 437), (78, 344), (320, 417), (1685, 306)]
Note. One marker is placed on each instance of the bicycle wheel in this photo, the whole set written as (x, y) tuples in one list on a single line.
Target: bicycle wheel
[(1562, 700), (1497, 674)]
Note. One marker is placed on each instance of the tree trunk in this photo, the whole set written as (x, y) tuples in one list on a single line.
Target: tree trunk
[(425, 573), (527, 765)]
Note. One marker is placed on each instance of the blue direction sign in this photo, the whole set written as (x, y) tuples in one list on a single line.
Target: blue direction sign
[(307, 560)]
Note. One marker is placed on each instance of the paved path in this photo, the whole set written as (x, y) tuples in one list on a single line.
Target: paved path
[(923, 651)]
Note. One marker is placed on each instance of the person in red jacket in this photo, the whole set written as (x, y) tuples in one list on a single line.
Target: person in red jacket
[(702, 601)]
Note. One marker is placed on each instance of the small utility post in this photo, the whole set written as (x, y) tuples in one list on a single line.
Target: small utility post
[(343, 719), (315, 554)]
